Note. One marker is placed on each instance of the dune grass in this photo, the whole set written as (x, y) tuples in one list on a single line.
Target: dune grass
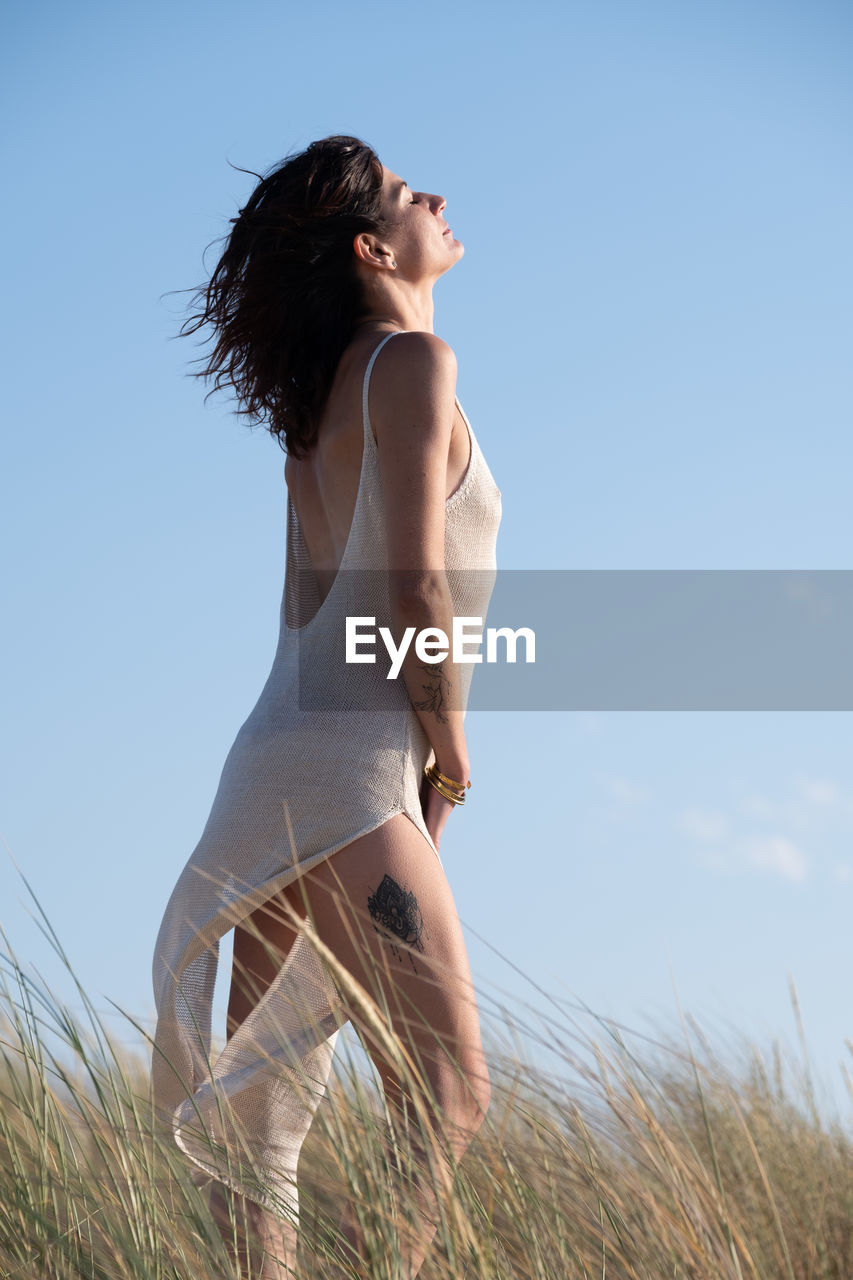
[(615, 1162)]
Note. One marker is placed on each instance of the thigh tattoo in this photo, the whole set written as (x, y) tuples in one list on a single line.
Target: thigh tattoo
[(395, 911)]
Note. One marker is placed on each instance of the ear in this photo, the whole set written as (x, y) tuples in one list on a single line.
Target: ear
[(371, 250)]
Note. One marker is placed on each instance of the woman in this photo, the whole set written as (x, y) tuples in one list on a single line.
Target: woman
[(325, 830)]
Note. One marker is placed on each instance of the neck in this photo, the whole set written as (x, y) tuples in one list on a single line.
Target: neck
[(401, 307)]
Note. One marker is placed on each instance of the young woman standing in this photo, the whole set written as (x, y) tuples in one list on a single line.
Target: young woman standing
[(335, 794)]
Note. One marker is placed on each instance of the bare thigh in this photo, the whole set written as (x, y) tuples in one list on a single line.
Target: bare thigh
[(260, 949), (384, 908)]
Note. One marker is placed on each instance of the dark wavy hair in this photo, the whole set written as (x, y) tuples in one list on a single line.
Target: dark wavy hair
[(284, 298)]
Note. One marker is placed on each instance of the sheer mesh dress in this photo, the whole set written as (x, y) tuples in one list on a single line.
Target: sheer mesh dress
[(330, 751)]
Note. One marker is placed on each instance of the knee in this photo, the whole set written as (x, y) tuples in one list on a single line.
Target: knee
[(458, 1101), (471, 1103), (481, 1096)]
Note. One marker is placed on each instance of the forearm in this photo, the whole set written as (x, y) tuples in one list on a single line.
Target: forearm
[(434, 687)]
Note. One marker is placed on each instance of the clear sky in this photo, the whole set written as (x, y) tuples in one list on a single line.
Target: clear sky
[(653, 326)]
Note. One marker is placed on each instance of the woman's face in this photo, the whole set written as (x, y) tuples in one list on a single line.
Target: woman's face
[(419, 236)]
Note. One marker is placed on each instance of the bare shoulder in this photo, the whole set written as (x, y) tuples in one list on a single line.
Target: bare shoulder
[(415, 371), (417, 349)]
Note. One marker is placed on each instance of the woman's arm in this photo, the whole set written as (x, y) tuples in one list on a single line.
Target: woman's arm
[(412, 406)]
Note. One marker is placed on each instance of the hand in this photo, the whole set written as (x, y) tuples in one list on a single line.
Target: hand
[(436, 810)]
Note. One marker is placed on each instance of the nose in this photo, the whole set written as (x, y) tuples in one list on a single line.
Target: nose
[(438, 203)]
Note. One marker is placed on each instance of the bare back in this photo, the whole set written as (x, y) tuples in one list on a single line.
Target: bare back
[(324, 486)]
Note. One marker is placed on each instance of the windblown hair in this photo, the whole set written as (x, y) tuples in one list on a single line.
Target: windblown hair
[(284, 298)]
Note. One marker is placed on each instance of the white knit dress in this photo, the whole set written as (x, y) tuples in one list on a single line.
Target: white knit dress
[(330, 751)]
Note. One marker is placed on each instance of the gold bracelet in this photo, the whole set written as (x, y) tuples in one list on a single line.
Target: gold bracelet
[(442, 790), (448, 795), (451, 782), (439, 780)]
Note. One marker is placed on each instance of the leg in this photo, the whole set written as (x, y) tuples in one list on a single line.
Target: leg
[(384, 908), (256, 962)]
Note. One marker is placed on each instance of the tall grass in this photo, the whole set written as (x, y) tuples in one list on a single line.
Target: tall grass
[(653, 1162)]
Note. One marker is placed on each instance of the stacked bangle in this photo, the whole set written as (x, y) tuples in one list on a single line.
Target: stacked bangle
[(443, 784)]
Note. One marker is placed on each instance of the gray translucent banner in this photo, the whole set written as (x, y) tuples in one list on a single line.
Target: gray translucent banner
[(631, 640)]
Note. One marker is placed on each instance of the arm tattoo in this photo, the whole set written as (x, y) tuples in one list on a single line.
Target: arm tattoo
[(437, 689)]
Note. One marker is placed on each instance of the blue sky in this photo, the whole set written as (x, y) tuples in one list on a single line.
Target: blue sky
[(652, 321)]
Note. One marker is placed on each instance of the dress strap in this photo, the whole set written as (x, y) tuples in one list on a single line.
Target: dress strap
[(368, 433)]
